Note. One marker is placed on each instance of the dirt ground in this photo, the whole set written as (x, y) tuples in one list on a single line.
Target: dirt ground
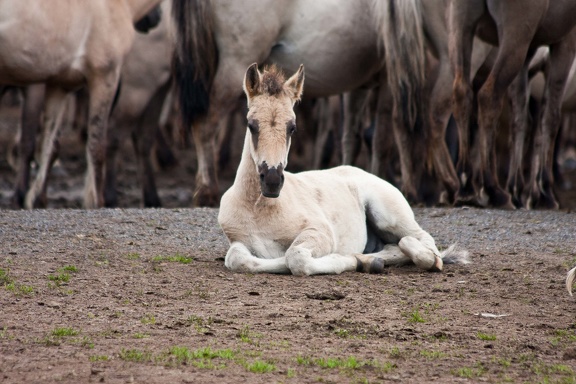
[(131, 295)]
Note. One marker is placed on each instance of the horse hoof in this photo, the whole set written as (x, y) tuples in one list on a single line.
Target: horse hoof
[(369, 264), (438, 265)]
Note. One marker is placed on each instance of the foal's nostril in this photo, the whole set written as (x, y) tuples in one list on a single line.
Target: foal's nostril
[(261, 177)]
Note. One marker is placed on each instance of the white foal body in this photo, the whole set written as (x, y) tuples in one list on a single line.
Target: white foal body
[(322, 221)]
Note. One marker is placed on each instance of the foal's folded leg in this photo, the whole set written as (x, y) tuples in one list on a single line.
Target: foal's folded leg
[(240, 259), (310, 254), (375, 262)]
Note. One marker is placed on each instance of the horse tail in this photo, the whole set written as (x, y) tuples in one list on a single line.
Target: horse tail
[(195, 57), (400, 26), (570, 277), (454, 255)]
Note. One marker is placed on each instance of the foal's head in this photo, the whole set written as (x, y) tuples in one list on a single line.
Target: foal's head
[(271, 121)]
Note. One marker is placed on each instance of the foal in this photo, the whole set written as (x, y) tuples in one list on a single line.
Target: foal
[(316, 222)]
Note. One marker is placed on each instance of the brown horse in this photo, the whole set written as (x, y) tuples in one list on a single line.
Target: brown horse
[(68, 44), (344, 45), (518, 28)]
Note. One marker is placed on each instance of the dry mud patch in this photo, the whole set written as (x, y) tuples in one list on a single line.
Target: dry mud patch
[(129, 295)]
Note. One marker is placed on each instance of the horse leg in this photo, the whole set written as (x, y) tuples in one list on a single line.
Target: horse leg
[(354, 103), (541, 174), (440, 110), (518, 93), (390, 215), (462, 20), (144, 140), (55, 105), (240, 259), (102, 88), (309, 254), (30, 120)]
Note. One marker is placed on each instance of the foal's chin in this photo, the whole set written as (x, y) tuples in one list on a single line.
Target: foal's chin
[(271, 195), (270, 192)]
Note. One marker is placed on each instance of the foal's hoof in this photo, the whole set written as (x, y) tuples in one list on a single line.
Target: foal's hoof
[(369, 264), (437, 266)]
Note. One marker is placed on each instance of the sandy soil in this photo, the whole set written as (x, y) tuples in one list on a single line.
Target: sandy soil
[(129, 295)]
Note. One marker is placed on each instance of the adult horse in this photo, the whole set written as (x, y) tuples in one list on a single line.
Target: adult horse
[(518, 28), (342, 43), (67, 44), (315, 222)]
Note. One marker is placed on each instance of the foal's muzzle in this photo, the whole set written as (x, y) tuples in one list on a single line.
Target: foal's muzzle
[(271, 180)]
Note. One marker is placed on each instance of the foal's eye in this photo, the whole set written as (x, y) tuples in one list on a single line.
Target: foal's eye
[(291, 128), (253, 127)]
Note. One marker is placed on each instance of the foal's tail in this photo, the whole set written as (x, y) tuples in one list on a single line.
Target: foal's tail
[(454, 255), (195, 57), (401, 31)]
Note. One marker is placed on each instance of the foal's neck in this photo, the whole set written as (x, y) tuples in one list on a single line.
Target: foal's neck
[(247, 180)]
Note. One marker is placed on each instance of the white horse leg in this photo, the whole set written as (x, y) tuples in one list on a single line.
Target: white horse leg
[(310, 254), (240, 259), (391, 215), (54, 112)]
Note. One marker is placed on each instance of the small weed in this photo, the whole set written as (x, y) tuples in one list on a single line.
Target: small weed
[(247, 336), (260, 367), (148, 319), (395, 353), (96, 358), (486, 336), (199, 323), (133, 256), (141, 335), (415, 316), (64, 332), (4, 277), (343, 333), (470, 372), (69, 268), (290, 373), (177, 258), (59, 278)]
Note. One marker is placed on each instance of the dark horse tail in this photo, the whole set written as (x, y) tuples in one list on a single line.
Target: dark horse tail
[(400, 23), (195, 57)]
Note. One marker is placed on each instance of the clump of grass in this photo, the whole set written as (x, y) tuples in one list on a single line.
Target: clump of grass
[(415, 316), (486, 336), (259, 366), (148, 319), (200, 358), (11, 286), (96, 358), (247, 336), (62, 275), (177, 258), (350, 363), (5, 277), (470, 372), (133, 256), (64, 332)]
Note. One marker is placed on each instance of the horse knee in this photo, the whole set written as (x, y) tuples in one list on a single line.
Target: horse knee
[(298, 261), (237, 260)]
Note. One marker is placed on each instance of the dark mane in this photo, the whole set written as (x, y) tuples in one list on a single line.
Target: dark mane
[(272, 80)]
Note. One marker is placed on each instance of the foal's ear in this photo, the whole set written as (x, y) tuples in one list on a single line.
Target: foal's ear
[(295, 84), (252, 80)]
